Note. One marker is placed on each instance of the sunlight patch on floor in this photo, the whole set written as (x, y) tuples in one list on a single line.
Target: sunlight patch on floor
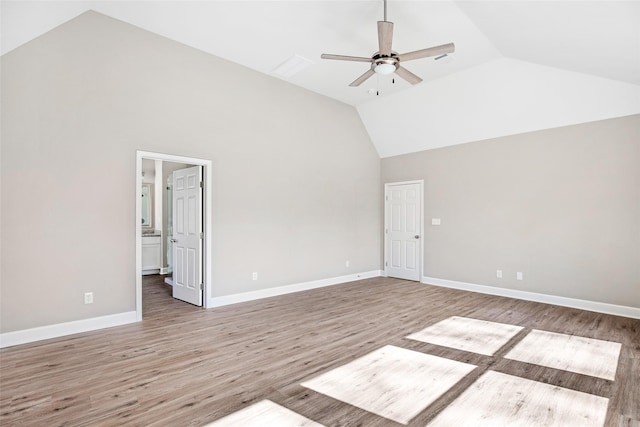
[(264, 413), (462, 333), (392, 382), (586, 356), (498, 399)]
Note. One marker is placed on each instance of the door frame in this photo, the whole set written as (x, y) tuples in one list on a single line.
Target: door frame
[(207, 204), (387, 186)]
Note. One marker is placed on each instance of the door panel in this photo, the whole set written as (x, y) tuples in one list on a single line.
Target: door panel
[(403, 232), (179, 216), (396, 217), (178, 273), (396, 253), (411, 252), (193, 215), (411, 218), (187, 235)]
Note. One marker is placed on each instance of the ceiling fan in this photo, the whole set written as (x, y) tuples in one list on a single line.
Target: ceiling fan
[(385, 61)]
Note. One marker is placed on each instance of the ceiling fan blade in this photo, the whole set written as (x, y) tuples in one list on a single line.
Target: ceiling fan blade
[(362, 78), (345, 58), (408, 75), (385, 37), (430, 51)]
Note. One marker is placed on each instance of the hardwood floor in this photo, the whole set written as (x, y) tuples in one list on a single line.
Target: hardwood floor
[(187, 366)]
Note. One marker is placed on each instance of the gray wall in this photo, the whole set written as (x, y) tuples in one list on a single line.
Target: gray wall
[(560, 205), (296, 178)]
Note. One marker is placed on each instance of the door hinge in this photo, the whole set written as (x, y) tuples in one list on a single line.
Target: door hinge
[(201, 286), (386, 198), (201, 184), (386, 264), (202, 235), (386, 230)]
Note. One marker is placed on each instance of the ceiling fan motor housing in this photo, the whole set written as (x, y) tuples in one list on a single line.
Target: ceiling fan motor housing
[(385, 64)]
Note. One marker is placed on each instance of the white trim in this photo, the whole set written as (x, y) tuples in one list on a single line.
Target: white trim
[(138, 238), (599, 307), (420, 183), (164, 270), (24, 336), (208, 222), (298, 287), (157, 207)]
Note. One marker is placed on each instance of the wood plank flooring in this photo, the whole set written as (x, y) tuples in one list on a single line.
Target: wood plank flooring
[(186, 366)]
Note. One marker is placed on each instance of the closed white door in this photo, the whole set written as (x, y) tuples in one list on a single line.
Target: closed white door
[(403, 223), (187, 235)]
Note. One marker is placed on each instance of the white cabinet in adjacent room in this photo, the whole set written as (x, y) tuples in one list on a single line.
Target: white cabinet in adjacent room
[(151, 255)]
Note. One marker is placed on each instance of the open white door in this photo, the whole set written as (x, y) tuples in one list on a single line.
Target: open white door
[(403, 224), (187, 235)]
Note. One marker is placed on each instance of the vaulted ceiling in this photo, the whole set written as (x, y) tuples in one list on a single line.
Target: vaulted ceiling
[(519, 66)]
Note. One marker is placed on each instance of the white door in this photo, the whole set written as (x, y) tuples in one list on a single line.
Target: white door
[(187, 235), (403, 222)]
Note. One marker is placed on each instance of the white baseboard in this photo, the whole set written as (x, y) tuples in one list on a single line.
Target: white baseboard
[(9, 339), (281, 290), (599, 307), (24, 336), (164, 270)]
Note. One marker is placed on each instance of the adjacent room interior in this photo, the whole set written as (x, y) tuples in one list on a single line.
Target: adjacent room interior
[(206, 222)]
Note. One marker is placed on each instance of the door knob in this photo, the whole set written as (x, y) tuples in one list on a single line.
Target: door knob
[(416, 236), (173, 240)]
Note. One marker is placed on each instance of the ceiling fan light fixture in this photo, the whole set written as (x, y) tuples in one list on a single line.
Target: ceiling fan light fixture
[(384, 69)]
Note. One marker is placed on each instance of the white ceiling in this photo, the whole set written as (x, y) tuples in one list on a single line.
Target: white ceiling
[(551, 43)]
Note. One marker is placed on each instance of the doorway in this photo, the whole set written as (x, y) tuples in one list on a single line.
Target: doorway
[(403, 236), (204, 242)]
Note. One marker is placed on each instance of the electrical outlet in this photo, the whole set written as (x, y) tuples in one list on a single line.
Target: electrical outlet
[(519, 275), (255, 275), (88, 297), (346, 264), (435, 221), (499, 274)]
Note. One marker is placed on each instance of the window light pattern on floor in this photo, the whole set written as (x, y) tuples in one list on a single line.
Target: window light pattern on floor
[(398, 384), (264, 413), (392, 382), (462, 333), (586, 356), (498, 399)]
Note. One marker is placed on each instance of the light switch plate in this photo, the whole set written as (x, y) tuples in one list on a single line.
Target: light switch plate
[(435, 221)]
